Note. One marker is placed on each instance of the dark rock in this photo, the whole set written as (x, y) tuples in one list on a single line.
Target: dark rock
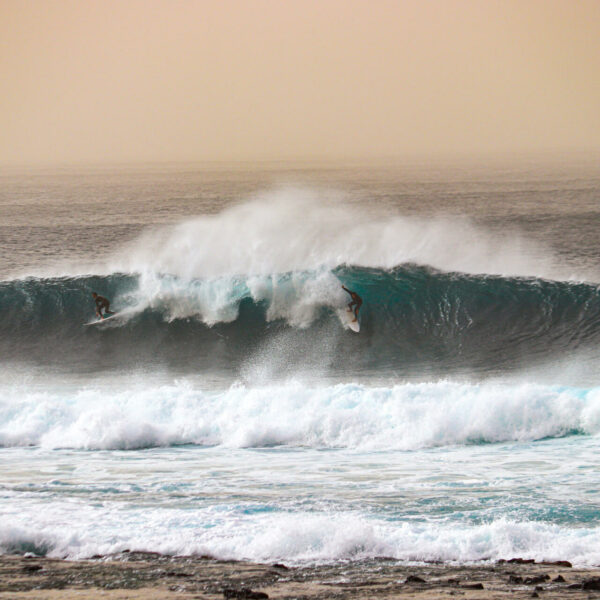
[(591, 584), (515, 579), (558, 579), (472, 586), (177, 574), (244, 594), (535, 595), (96, 556), (575, 586), (414, 579), (453, 581), (521, 561), (536, 579), (539, 588), (280, 566), (557, 563), (32, 568)]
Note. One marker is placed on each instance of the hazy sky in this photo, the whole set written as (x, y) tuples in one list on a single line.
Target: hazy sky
[(88, 80)]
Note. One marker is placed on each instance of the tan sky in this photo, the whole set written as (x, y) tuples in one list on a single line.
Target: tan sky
[(88, 80)]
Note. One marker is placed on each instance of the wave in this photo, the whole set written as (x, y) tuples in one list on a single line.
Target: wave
[(414, 320), (309, 538), (402, 417)]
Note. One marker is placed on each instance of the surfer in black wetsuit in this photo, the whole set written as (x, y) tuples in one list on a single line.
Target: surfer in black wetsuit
[(101, 303), (356, 302)]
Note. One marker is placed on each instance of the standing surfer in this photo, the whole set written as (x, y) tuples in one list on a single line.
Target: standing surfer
[(101, 303), (356, 302)]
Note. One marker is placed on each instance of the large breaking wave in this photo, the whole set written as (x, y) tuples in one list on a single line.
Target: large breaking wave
[(413, 319)]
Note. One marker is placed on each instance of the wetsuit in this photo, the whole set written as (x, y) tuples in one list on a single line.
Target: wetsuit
[(102, 303), (356, 302)]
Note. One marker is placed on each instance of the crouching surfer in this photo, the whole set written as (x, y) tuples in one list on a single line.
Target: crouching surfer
[(102, 304), (356, 302)]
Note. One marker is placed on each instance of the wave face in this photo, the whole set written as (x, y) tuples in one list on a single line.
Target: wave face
[(413, 319)]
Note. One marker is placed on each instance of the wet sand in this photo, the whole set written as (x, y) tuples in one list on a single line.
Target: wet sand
[(137, 575)]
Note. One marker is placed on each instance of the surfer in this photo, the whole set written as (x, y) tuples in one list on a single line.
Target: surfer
[(101, 303), (356, 302)]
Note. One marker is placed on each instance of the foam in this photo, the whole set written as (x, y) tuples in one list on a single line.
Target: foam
[(401, 417), (300, 538), (295, 298)]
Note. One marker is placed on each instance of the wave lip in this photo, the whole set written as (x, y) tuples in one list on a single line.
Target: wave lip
[(402, 417)]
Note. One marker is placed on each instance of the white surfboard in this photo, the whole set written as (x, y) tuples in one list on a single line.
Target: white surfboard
[(100, 321), (351, 323)]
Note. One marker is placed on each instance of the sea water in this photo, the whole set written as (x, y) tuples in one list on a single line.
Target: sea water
[(229, 412)]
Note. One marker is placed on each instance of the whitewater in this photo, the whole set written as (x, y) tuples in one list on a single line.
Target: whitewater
[(228, 410)]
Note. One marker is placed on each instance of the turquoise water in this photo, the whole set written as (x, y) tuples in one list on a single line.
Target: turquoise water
[(452, 503)]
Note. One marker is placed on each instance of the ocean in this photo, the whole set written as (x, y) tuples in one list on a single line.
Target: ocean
[(228, 411)]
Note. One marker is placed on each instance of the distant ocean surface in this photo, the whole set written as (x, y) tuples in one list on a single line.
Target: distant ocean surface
[(227, 410)]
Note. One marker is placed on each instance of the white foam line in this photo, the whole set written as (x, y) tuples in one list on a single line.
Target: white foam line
[(401, 417)]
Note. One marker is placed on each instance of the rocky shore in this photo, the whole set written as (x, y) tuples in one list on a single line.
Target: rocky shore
[(143, 575)]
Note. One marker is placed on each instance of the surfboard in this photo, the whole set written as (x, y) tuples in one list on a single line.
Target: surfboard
[(351, 323), (98, 320)]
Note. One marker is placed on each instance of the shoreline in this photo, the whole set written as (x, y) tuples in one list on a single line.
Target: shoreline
[(153, 576)]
